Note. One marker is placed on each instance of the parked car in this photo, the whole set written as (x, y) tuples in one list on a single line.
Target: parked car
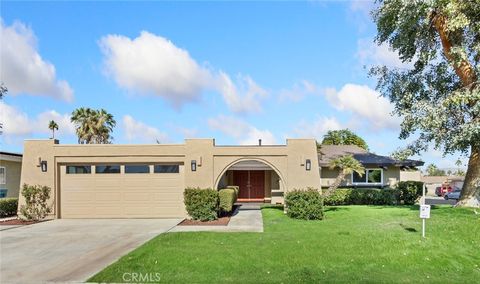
[(444, 189), (453, 194)]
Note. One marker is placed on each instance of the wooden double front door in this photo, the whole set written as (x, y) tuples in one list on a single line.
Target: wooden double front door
[(251, 183)]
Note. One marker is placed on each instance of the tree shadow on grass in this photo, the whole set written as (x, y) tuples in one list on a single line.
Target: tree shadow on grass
[(409, 229), (272, 206), (333, 209)]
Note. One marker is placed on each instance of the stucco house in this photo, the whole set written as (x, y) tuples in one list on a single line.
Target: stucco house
[(147, 181), (380, 171), (10, 170)]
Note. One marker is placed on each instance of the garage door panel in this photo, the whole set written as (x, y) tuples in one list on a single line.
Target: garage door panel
[(121, 195)]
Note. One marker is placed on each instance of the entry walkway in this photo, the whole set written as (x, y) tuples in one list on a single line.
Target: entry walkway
[(248, 218)]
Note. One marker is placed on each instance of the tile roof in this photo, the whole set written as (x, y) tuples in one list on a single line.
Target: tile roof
[(326, 153)]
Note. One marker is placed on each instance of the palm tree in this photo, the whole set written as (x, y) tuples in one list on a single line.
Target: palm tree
[(93, 126), (52, 125), (347, 165)]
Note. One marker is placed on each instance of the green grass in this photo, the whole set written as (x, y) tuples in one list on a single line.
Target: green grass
[(354, 244)]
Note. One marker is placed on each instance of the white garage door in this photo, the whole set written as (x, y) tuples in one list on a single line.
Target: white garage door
[(88, 192)]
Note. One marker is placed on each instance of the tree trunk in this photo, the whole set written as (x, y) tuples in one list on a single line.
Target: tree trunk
[(470, 196), (336, 184)]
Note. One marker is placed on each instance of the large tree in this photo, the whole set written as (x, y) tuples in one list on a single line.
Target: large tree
[(344, 137), (438, 93), (93, 126)]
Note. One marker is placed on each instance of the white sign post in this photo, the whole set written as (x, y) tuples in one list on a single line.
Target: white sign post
[(424, 211)]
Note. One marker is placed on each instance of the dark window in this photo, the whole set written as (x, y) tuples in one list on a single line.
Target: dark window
[(358, 178), (107, 169), (374, 176), (137, 169), (166, 169), (79, 169)]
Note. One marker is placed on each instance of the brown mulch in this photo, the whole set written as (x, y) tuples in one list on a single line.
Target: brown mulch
[(222, 221), (17, 222)]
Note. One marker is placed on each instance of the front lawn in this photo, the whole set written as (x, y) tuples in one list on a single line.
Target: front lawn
[(354, 244)]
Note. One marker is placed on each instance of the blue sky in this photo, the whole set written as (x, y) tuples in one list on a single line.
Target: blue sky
[(236, 72)]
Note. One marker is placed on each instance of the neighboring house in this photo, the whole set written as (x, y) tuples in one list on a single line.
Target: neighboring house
[(148, 181), (432, 182), (380, 171), (10, 170)]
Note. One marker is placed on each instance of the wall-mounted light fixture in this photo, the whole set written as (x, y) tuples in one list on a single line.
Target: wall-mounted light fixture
[(43, 166), (308, 165), (194, 165)]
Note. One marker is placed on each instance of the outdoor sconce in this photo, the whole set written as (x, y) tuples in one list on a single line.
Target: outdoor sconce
[(43, 166), (194, 165), (308, 165)]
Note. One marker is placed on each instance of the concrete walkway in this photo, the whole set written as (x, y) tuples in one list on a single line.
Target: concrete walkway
[(68, 250), (248, 218)]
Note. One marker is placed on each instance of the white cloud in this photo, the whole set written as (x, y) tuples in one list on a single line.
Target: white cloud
[(244, 133), (371, 54), (15, 122), (152, 64), (138, 131), (17, 125), (364, 103), (244, 96), (299, 91), (317, 128), (23, 69)]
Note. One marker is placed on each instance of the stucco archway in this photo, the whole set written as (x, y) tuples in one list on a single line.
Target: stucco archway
[(257, 169)]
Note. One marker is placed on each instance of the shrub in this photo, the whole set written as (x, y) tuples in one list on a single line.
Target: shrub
[(201, 204), (236, 189), (304, 204), (363, 196), (8, 207), (410, 191), (36, 202), (226, 198), (340, 196)]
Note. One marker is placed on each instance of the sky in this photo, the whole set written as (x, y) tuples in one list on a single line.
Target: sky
[(233, 71)]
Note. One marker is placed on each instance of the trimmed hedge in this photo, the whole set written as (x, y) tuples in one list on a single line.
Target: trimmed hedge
[(8, 207), (304, 204), (406, 192), (410, 191), (201, 204), (226, 197), (236, 189)]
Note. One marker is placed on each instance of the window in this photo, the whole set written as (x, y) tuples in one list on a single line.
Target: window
[(137, 169), (3, 193), (3, 175), (79, 169), (166, 169), (371, 176), (107, 169)]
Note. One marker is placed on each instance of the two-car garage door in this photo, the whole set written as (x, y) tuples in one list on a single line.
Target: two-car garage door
[(121, 195)]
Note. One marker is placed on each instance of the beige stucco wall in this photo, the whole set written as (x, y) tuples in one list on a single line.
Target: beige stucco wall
[(13, 172), (288, 161), (391, 176), (410, 175)]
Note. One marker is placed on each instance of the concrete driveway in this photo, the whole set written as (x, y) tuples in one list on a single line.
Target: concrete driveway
[(71, 250)]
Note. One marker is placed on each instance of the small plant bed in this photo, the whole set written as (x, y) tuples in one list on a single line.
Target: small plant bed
[(221, 221), (12, 222)]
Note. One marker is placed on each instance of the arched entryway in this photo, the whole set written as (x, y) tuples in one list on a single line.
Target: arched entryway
[(258, 181)]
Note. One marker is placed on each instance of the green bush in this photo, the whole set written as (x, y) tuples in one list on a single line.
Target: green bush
[(410, 191), (363, 196), (8, 207), (236, 189), (36, 202), (226, 200), (304, 204), (201, 204)]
